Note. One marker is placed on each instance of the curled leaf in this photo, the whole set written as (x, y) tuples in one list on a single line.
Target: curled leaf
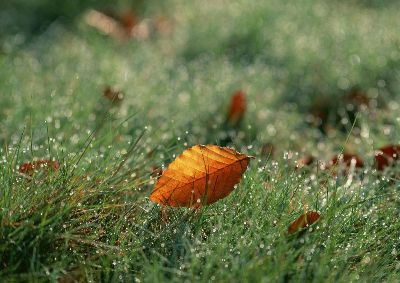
[(237, 108), (202, 174), (303, 221), (386, 156)]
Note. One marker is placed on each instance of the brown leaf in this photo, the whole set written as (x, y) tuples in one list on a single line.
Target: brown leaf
[(386, 155), (29, 168), (200, 175), (303, 221), (237, 108)]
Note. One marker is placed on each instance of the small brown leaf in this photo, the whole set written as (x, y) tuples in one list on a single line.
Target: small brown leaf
[(29, 168), (200, 175), (386, 156), (237, 108), (303, 221)]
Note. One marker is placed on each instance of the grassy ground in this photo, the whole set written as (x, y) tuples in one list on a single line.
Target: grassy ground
[(93, 220)]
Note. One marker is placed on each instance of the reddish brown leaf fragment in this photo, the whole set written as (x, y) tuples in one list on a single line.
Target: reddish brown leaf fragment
[(303, 221), (237, 108), (386, 156), (29, 168)]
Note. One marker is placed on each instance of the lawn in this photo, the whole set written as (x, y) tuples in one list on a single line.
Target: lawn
[(320, 78)]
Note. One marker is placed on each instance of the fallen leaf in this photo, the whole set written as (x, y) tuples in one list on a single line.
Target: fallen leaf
[(29, 168), (200, 175), (237, 108), (303, 221), (386, 156)]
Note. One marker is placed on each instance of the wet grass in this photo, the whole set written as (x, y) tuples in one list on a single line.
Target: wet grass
[(93, 221)]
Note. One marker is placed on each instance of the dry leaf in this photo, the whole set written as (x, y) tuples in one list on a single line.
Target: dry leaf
[(303, 221), (29, 168), (386, 155), (200, 175), (237, 108)]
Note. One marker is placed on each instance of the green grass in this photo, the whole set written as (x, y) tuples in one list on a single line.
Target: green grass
[(93, 220)]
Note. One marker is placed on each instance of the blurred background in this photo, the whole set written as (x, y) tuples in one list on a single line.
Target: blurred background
[(307, 69)]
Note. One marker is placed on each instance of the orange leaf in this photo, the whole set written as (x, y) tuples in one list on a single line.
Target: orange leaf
[(202, 174), (303, 221), (237, 107), (386, 155), (30, 167)]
